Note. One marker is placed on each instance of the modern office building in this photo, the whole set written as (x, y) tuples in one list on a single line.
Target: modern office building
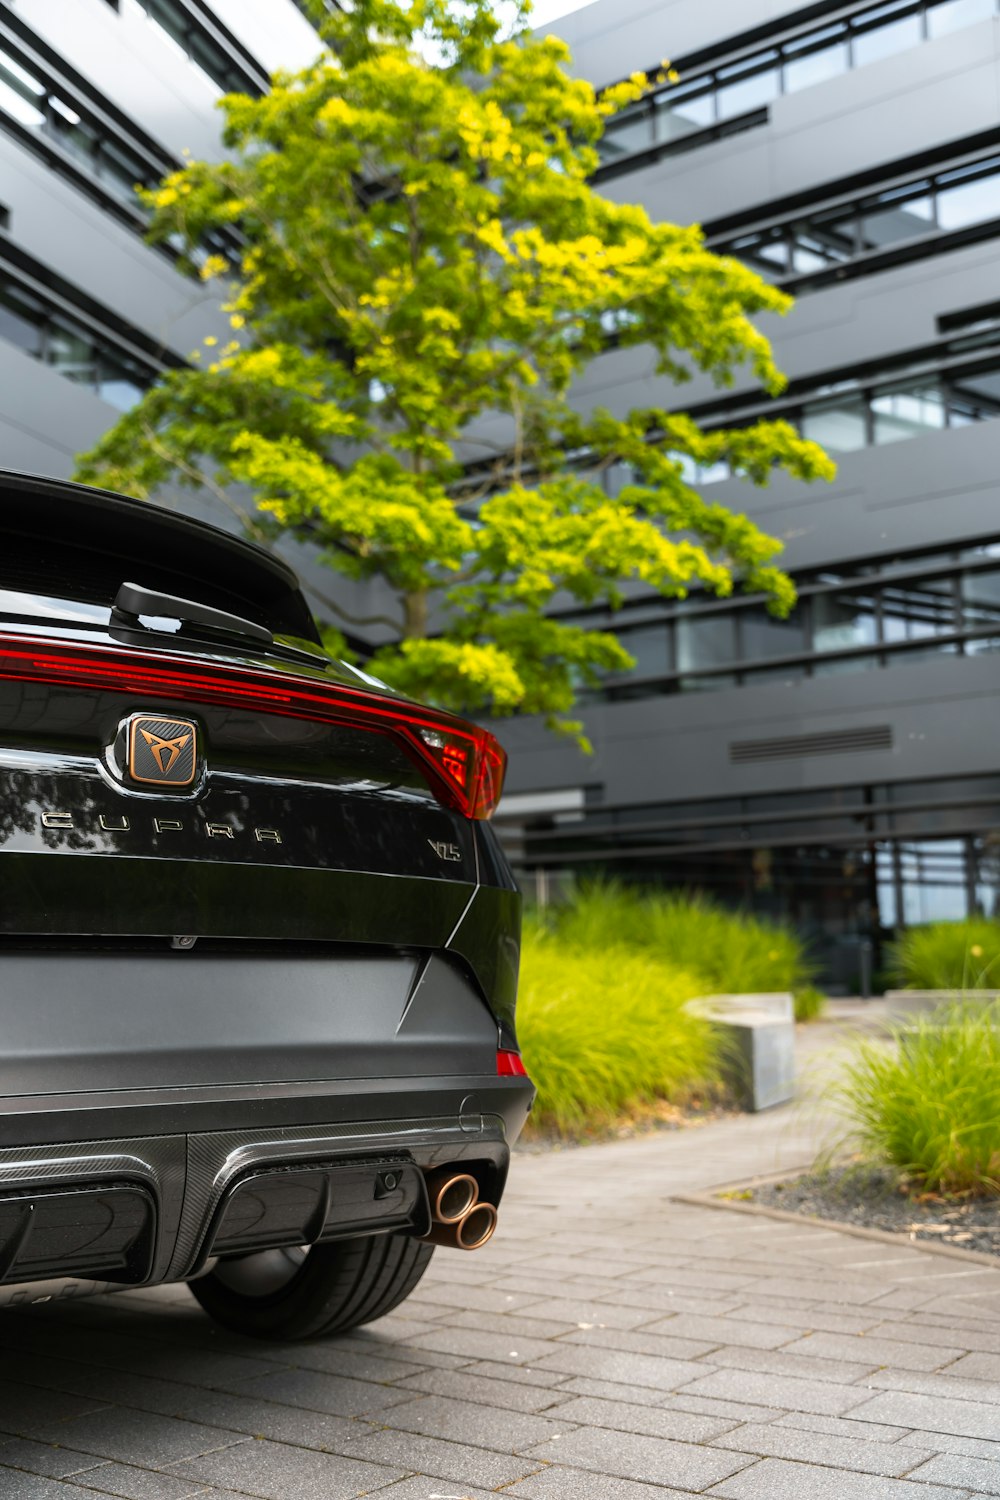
[(841, 768), (95, 96)]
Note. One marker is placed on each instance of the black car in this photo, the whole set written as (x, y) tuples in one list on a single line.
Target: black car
[(258, 943)]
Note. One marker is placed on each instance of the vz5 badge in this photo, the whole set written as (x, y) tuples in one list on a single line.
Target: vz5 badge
[(450, 852)]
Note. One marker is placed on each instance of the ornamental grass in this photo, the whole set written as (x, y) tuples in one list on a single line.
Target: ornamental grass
[(605, 1035), (930, 1105), (948, 956)]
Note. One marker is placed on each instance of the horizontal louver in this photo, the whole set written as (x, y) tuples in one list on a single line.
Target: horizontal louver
[(793, 746)]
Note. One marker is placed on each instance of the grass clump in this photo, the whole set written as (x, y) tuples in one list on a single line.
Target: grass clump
[(729, 952), (605, 1034), (602, 1014), (810, 1003), (948, 956), (930, 1107)]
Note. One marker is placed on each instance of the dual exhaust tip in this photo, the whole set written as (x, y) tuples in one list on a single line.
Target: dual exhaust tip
[(459, 1218)]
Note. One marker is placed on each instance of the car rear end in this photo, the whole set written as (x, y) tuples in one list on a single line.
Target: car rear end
[(258, 944)]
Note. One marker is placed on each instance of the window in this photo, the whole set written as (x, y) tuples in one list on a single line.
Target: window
[(986, 867), (682, 113), (821, 56), (21, 320), (952, 389), (704, 642), (915, 611), (898, 216), (761, 635), (933, 881), (71, 351), (950, 15), (120, 171), (49, 334), (630, 131), (616, 477), (908, 411), (21, 94), (767, 252), (841, 621), (981, 598), (972, 202), (840, 425), (93, 145), (650, 645), (824, 241), (742, 88), (197, 44), (976, 397), (885, 31), (828, 240), (120, 382), (980, 594)]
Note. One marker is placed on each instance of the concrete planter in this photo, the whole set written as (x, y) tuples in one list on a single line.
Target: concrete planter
[(759, 1033), (907, 1005)]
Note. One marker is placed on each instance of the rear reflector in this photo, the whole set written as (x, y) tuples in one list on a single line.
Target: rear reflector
[(509, 1065), (463, 763)]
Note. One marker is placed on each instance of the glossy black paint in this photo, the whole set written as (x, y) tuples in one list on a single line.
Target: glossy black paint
[(303, 940), (318, 1201), (105, 1230), (84, 543)]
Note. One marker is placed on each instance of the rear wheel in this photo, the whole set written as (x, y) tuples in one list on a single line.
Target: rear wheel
[(312, 1292)]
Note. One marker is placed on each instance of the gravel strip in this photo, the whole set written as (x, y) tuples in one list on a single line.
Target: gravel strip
[(873, 1199)]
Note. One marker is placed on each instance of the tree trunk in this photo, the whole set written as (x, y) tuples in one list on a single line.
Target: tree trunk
[(415, 608)]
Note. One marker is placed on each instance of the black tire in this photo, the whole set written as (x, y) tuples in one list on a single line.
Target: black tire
[(329, 1288)]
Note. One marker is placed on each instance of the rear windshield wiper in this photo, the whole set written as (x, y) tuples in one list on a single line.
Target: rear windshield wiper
[(133, 600)]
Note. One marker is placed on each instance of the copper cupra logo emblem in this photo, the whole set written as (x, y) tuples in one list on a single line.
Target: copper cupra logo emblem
[(162, 751)]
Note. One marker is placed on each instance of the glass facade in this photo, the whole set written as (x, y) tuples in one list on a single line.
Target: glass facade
[(79, 125), (33, 101), (205, 52), (812, 248), (952, 384), (957, 384), (709, 98), (46, 332), (847, 866), (886, 614)]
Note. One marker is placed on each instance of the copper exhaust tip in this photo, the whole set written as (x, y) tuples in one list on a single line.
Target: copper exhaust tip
[(477, 1226), (452, 1195), (472, 1230)]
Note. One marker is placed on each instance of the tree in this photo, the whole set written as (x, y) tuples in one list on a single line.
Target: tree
[(422, 274)]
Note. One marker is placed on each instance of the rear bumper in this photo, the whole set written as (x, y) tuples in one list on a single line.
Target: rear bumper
[(234, 1168)]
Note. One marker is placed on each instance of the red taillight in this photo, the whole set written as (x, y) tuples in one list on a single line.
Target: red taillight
[(509, 1065), (464, 764)]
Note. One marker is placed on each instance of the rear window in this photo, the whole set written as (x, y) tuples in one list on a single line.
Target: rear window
[(65, 552)]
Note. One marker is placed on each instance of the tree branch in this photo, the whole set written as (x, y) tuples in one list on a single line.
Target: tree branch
[(347, 617), (198, 477)]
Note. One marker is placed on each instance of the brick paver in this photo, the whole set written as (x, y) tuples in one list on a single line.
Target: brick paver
[(610, 1344)]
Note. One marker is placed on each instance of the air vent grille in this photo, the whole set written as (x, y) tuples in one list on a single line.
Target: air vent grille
[(793, 746)]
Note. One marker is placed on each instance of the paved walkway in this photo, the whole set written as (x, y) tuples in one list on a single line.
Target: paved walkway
[(608, 1345)]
